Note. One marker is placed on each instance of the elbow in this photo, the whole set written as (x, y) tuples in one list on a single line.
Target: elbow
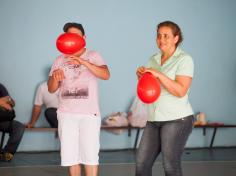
[(106, 76), (50, 91), (52, 86), (181, 94)]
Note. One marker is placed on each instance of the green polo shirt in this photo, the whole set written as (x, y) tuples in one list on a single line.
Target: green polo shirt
[(169, 107)]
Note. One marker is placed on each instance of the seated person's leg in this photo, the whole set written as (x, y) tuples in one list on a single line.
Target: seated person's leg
[(51, 116), (16, 131)]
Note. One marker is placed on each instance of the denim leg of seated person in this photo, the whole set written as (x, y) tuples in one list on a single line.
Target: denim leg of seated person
[(51, 116), (15, 130), (169, 138)]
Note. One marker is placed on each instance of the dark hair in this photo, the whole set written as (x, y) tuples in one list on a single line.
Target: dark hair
[(69, 25), (175, 29)]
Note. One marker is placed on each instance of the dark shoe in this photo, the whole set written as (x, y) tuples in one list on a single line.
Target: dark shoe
[(6, 156)]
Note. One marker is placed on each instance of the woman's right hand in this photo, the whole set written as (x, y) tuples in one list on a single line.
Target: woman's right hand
[(140, 71)]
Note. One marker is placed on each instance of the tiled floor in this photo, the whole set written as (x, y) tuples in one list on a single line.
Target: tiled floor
[(204, 162), (121, 156)]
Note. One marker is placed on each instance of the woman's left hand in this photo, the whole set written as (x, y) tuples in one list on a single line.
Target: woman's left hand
[(153, 71)]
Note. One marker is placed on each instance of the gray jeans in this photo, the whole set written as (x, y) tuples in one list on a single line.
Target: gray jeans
[(16, 131), (167, 137)]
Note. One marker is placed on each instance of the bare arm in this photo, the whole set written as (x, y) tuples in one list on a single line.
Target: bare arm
[(54, 80), (34, 117), (101, 72), (178, 87)]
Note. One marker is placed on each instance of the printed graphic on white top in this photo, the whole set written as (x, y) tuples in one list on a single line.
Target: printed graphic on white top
[(74, 87)]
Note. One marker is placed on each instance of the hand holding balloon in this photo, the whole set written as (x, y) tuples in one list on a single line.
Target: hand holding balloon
[(148, 88), (140, 71), (70, 43)]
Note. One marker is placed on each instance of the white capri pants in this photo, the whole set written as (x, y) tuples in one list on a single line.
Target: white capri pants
[(79, 137)]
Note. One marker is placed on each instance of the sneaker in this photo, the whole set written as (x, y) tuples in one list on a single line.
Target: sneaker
[(6, 156)]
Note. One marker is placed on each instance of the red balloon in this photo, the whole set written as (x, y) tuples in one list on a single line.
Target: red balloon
[(148, 88), (70, 43)]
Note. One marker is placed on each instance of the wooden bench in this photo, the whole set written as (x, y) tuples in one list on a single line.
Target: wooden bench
[(214, 126), (48, 129)]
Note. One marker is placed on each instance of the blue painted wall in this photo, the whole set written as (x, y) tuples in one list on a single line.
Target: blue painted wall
[(124, 33)]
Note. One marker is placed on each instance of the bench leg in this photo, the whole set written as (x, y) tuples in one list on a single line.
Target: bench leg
[(136, 138), (2, 140), (204, 131), (129, 130), (213, 137)]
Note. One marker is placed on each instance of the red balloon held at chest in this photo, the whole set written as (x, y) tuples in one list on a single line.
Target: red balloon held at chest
[(70, 43), (148, 88)]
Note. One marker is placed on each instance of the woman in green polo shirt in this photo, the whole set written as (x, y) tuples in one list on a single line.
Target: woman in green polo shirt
[(170, 117)]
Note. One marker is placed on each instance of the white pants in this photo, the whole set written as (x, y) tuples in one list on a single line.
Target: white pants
[(79, 136)]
